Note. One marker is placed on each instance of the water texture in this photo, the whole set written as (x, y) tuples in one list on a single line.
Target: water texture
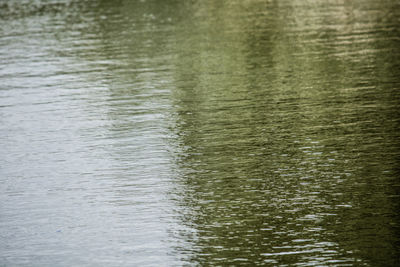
[(199, 133)]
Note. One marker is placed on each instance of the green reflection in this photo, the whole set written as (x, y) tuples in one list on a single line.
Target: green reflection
[(289, 139)]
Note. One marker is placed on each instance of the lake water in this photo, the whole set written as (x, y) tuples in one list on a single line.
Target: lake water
[(199, 133)]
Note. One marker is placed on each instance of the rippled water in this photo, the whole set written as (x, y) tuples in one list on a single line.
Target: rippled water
[(200, 133)]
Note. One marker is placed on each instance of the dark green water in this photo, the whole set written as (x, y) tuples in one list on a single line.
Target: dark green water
[(199, 133)]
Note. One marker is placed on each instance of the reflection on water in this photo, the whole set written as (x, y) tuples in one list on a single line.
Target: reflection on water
[(199, 133)]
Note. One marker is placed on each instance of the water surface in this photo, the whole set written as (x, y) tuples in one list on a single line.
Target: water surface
[(200, 133)]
